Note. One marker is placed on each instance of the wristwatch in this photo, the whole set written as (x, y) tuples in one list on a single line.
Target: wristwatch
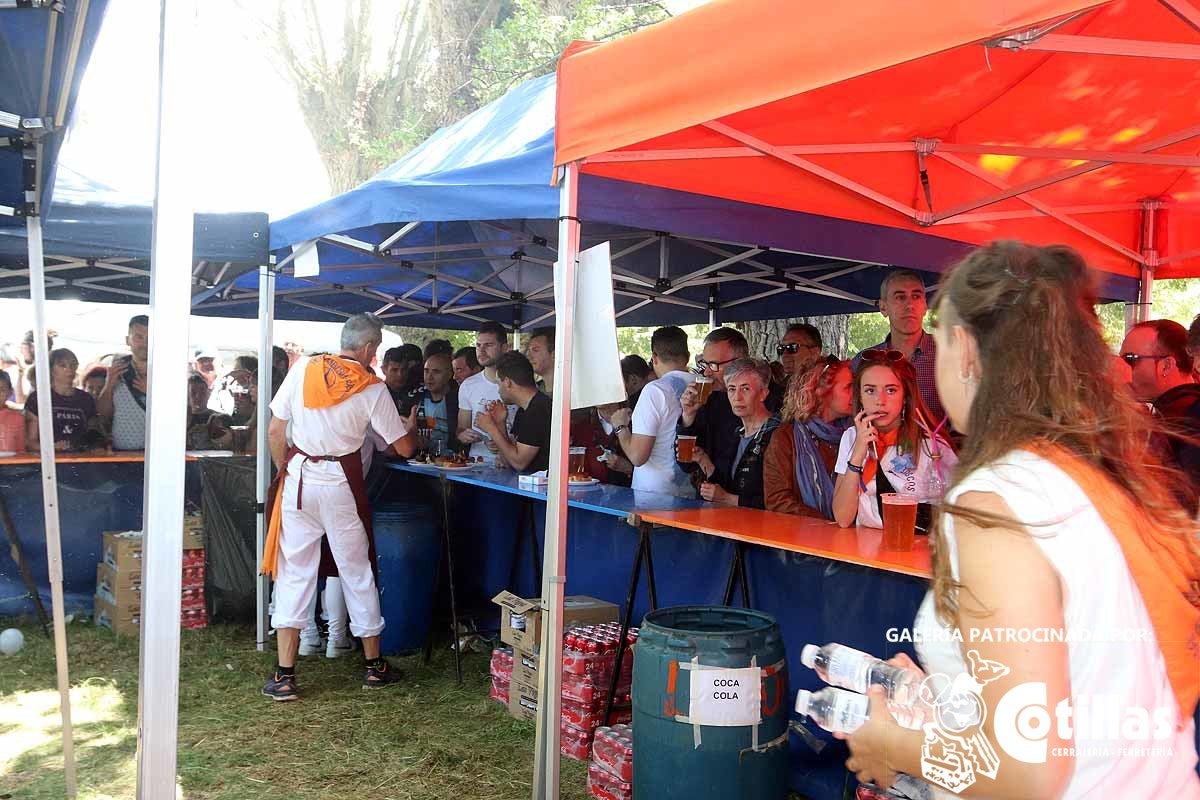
[(617, 430)]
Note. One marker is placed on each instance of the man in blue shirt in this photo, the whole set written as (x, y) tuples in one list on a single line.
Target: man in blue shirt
[(438, 397), (902, 302)]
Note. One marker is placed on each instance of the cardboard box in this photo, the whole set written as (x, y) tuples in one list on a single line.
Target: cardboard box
[(522, 703), (527, 635), (525, 668), (193, 532), (122, 550), (124, 620), (121, 587)]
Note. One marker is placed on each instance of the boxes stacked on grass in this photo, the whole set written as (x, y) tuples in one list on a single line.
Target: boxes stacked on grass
[(118, 601), (589, 655)]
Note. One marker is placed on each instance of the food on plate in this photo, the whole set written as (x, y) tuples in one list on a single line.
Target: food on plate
[(580, 478)]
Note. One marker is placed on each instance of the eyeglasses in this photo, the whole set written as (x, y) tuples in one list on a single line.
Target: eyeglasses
[(882, 356), (792, 347), (705, 365), (1132, 358)]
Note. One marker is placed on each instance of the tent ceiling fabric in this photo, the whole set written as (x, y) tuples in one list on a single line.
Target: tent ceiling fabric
[(843, 125), (477, 192), (23, 41)]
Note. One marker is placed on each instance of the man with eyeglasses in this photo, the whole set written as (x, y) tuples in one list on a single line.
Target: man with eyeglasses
[(1162, 373), (481, 390), (799, 349), (902, 302), (713, 423)]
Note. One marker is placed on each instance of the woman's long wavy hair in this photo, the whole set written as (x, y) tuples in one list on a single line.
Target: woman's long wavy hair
[(808, 391), (1045, 377)]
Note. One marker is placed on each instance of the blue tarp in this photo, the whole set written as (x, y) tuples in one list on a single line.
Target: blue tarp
[(486, 181)]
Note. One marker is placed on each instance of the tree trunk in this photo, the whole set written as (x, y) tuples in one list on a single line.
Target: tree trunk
[(764, 335)]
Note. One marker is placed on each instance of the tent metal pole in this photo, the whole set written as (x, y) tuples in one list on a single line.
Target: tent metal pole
[(262, 474), (554, 562), (166, 408), (37, 289)]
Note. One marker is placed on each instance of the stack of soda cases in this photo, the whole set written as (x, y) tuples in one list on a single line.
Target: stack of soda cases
[(192, 609), (610, 775), (589, 658), (501, 669)]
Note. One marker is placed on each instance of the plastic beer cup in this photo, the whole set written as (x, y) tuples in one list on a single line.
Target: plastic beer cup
[(686, 446), (577, 456), (704, 386), (899, 521)]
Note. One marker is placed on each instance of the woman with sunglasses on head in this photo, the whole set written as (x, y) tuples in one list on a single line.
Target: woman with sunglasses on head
[(1060, 522), (893, 446), (817, 410)]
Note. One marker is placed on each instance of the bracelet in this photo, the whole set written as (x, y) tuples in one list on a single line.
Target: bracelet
[(617, 430), (854, 468)]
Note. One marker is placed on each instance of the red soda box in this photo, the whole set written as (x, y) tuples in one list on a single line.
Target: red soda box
[(613, 750), (575, 743), (603, 785), (499, 691)]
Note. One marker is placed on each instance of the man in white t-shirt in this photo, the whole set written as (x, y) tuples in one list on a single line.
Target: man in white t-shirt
[(647, 434), (481, 390), (328, 405)]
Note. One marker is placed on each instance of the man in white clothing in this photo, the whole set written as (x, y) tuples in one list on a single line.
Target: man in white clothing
[(331, 402), (647, 434), (481, 390)]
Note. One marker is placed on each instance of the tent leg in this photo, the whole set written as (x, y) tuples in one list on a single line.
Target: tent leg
[(37, 288), (166, 409), (554, 559), (262, 474)]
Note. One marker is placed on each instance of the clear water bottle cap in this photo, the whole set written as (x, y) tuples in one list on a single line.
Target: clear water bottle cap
[(808, 656), (802, 701)]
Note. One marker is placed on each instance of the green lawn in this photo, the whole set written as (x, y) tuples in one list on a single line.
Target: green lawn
[(427, 738)]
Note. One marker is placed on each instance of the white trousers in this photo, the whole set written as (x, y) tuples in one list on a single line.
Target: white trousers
[(328, 511), (333, 604)]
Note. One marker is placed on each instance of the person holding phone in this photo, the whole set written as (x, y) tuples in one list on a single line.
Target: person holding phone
[(893, 446)]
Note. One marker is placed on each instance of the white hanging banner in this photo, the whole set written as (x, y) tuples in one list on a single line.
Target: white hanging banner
[(595, 360), (726, 697), (306, 264)]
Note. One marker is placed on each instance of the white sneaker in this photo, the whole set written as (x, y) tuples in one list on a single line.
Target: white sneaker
[(337, 649), (312, 648)]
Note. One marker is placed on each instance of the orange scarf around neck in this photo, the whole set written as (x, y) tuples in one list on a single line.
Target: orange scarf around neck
[(328, 380), (871, 463), (1165, 570)]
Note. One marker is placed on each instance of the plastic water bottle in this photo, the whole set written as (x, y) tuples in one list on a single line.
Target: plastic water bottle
[(839, 711), (845, 667), (835, 710)]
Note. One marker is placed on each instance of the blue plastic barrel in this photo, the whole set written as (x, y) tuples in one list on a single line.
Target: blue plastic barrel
[(407, 545), (667, 762)]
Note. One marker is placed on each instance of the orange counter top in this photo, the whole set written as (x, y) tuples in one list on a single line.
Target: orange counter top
[(817, 537)]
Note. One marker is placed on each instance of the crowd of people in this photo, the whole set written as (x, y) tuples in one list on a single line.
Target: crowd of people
[(102, 408)]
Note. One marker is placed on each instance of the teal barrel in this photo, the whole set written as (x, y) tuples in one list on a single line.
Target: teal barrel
[(667, 763), (407, 546)]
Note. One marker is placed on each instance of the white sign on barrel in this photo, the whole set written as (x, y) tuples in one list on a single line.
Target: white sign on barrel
[(726, 697)]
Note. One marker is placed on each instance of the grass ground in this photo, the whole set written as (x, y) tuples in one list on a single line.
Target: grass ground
[(427, 739)]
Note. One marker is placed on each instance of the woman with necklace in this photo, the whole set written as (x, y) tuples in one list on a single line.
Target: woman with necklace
[(748, 383), (798, 470), (73, 409)]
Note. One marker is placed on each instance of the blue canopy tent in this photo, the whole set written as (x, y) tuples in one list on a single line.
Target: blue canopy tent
[(97, 245), (463, 229)]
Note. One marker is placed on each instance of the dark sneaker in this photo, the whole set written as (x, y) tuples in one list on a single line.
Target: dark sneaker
[(281, 687), (380, 674)]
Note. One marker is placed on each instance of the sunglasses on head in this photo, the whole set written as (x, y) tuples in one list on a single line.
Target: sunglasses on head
[(882, 356), (792, 347)]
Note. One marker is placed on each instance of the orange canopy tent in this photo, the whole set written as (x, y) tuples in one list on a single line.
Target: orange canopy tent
[(1051, 121)]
